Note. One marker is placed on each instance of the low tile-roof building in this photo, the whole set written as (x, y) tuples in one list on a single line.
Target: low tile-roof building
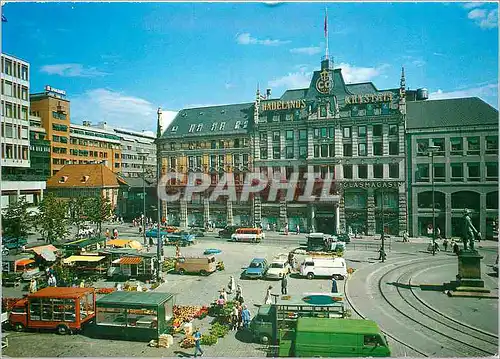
[(87, 180)]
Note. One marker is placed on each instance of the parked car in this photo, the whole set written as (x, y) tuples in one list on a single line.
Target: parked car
[(12, 243), (182, 237), (197, 231), (228, 231), (253, 235), (323, 267), (256, 269), (344, 237), (278, 268), (153, 232)]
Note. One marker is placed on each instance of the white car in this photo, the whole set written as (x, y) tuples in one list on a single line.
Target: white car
[(277, 268)]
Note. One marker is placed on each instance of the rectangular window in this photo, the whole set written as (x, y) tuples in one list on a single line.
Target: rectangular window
[(8, 110), (8, 88), (316, 133), (439, 142), (347, 150), (369, 110), (263, 153), (316, 151), (457, 172), (24, 93), (439, 172), (9, 133), (289, 117), (276, 136), (245, 159), (457, 146), (346, 132), (323, 132), (394, 148), (473, 172), (322, 111), (302, 151), (276, 118), (348, 171), (361, 131), (276, 153), (491, 145), (331, 132), (289, 134), (324, 150), (24, 133), (331, 150), (473, 146), (289, 152), (491, 171), (362, 149), (282, 117), (378, 170), (377, 130), (354, 111), (394, 170), (302, 134), (422, 146), (422, 174), (8, 67), (377, 149), (263, 137), (393, 130), (363, 171), (24, 73)]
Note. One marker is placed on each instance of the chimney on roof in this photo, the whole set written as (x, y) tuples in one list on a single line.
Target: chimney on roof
[(87, 123), (63, 179), (268, 94)]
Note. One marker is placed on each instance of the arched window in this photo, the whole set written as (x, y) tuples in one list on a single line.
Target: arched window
[(465, 199)]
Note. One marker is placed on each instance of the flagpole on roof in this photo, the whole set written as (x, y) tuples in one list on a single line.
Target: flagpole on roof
[(326, 31)]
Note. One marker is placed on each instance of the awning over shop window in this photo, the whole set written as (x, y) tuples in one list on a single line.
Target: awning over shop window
[(24, 262), (130, 260)]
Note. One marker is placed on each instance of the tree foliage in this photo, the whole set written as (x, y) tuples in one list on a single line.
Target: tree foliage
[(77, 211), (16, 221), (51, 220), (97, 210)]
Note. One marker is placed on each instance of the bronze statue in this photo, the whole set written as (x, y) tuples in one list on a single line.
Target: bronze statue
[(470, 233)]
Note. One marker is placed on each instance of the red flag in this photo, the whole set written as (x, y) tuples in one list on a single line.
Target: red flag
[(326, 24)]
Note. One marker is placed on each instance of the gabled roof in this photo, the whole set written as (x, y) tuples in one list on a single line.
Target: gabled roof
[(362, 88), (85, 176), (137, 182), (212, 120), (468, 111), (296, 94)]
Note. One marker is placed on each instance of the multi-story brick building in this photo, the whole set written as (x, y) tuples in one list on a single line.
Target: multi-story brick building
[(465, 173)]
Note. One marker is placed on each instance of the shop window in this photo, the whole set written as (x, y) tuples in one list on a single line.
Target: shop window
[(393, 148), (355, 200), (331, 150), (473, 172), (362, 149), (361, 131), (422, 174), (492, 171), (377, 149), (369, 110), (385, 109), (491, 145), (289, 152), (316, 151), (363, 171), (276, 136), (289, 134), (473, 146), (324, 150), (492, 200), (422, 146), (302, 151), (263, 153), (276, 153), (439, 172), (456, 146), (269, 117), (393, 130), (303, 134), (346, 132), (323, 172), (377, 130), (394, 170), (457, 172), (438, 142), (378, 170), (347, 150), (111, 316), (348, 171), (465, 199), (354, 111)]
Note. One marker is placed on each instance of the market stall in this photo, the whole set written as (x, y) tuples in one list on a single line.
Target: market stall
[(124, 243), (137, 266), (82, 246), (90, 264), (137, 316)]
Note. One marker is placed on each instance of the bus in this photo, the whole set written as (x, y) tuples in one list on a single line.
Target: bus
[(61, 308)]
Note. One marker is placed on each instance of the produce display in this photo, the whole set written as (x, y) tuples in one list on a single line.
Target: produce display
[(168, 264), (219, 330), (187, 342), (209, 339), (185, 314), (220, 265), (105, 290)]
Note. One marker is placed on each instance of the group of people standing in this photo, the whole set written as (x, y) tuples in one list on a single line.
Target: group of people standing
[(113, 235)]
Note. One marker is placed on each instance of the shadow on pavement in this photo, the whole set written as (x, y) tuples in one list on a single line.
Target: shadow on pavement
[(182, 354), (493, 274), (401, 285), (244, 336)]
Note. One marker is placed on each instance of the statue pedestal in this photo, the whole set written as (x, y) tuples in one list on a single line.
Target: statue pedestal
[(469, 273)]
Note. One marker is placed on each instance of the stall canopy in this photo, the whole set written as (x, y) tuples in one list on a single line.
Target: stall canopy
[(83, 259), (124, 243), (82, 243), (46, 252), (24, 262), (129, 260), (134, 299)]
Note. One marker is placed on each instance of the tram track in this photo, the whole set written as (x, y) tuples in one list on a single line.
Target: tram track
[(444, 334)]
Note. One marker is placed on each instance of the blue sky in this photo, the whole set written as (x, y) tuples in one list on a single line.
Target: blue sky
[(118, 62)]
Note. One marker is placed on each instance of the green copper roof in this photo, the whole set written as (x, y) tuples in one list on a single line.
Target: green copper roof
[(127, 298), (213, 120), (469, 111), (291, 95), (362, 88)]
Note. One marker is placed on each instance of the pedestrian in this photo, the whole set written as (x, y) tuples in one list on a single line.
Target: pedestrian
[(119, 287), (52, 282), (107, 233), (405, 236), (32, 287), (284, 283), (231, 285), (239, 292), (298, 229), (235, 318), (139, 287), (436, 247), (267, 298), (224, 294), (115, 233), (456, 250), (245, 316), (438, 232), (382, 255), (82, 284), (334, 285), (268, 228), (445, 244), (197, 343)]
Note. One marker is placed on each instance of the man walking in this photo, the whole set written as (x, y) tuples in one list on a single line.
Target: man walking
[(445, 244), (197, 343), (245, 316), (284, 283)]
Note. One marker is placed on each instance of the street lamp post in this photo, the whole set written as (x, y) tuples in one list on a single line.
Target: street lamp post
[(383, 229), (143, 155), (431, 150)]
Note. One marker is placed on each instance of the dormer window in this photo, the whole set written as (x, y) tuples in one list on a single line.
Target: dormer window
[(200, 126), (174, 129), (245, 124), (237, 125), (63, 179), (214, 126), (222, 125), (191, 128), (85, 179)]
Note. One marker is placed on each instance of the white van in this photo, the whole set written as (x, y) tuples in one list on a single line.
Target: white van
[(323, 267)]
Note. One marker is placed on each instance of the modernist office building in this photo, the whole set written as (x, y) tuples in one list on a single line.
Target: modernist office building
[(465, 174), (353, 133)]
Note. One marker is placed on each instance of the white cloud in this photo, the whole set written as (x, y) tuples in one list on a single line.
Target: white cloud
[(491, 20), (293, 80), (487, 90), (166, 118), (229, 85), (353, 74), (472, 5), (418, 63), (71, 70), (115, 108), (477, 14), (247, 39), (312, 50)]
